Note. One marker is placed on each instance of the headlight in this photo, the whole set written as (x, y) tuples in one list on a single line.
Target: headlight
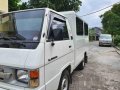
[(22, 76), (30, 77)]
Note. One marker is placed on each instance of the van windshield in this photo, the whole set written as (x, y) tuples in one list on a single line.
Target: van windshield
[(105, 37), (21, 29)]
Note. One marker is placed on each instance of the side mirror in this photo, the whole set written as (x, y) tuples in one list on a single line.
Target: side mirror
[(51, 35), (56, 33), (54, 27)]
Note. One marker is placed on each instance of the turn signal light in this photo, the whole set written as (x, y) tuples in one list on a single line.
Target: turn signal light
[(34, 78), (34, 74)]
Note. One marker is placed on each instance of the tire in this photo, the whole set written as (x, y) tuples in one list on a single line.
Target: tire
[(99, 44), (85, 58), (64, 81), (81, 65), (111, 45)]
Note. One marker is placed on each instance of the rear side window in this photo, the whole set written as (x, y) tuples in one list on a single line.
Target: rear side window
[(79, 26), (86, 29), (58, 24)]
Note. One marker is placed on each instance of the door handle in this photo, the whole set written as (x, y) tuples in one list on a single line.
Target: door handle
[(53, 58), (71, 37), (70, 46)]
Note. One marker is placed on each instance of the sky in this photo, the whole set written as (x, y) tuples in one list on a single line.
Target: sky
[(93, 5), (24, 0), (89, 6)]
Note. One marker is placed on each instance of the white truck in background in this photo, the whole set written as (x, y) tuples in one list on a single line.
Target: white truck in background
[(40, 48)]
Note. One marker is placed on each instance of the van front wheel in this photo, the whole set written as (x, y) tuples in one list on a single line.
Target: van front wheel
[(64, 81)]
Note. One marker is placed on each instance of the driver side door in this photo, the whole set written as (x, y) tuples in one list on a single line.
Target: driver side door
[(59, 54)]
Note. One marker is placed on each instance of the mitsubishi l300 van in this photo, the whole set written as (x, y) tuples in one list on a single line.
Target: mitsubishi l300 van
[(40, 48)]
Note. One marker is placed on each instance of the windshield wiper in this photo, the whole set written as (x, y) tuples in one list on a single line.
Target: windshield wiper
[(5, 38), (13, 44), (18, 43), (13, 41)]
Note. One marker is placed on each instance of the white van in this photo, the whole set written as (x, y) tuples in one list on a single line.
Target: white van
[(39, 49), (105, 39)]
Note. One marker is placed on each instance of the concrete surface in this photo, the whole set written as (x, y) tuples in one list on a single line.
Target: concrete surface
[(118, 51), (102, 72)]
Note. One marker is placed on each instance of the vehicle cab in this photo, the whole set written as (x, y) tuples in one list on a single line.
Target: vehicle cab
[(30, 43)]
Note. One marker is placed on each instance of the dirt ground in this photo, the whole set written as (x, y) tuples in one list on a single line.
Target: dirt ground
[(102, 72)]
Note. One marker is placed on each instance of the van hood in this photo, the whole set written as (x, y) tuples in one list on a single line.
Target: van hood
[(13, 57), (23, 58)]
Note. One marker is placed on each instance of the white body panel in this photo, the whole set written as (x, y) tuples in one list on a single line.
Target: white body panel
[(8, 57), (65, 57), (81, 43), (51, 61)]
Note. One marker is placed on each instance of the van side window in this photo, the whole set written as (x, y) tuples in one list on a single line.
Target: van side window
[(79, 26), (86, 29), (59, 30)]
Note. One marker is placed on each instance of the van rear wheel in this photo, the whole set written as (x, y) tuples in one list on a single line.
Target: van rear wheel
[(64, 81), (85, 58), (82, 65)]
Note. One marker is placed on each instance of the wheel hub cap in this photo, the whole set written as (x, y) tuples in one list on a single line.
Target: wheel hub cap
[(65, 84)]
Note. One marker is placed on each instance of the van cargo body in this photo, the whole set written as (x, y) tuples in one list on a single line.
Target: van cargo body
[(79, 30), (40, 48)]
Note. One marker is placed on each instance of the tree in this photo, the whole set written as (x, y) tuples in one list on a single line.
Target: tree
[(111, 20), (116, 9), (40, 4), (92, 34), (23, 6), (13, 5), (58, 5)]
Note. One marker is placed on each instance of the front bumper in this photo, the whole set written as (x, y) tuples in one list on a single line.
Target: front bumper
[(4, 86), (105, 43)]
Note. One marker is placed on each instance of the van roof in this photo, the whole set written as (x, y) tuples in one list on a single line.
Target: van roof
[(23, 10), (32, 10), (73, 13)]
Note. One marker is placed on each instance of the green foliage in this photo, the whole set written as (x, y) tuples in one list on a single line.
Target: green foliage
[(119, 45), (117, 40), (40, 4), (111, 20), (58, 5), (91, 34), (116, 9), (13, 5), (23, 6)]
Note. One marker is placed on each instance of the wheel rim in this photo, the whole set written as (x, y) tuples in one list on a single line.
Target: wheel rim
[(64, 83), (83, 63)]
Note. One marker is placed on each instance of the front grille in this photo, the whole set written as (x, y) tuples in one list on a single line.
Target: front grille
[(6, 73)]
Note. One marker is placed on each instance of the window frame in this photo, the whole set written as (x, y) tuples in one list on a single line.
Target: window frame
[(85, 24), (79, 29), (53, 15)]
